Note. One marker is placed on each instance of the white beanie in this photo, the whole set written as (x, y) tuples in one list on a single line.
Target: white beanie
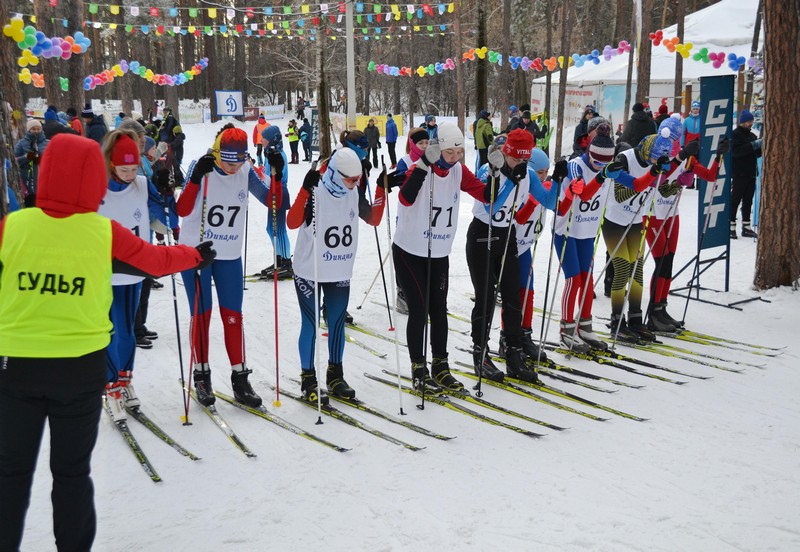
[(347, 163), (450, 137), (33, 123)]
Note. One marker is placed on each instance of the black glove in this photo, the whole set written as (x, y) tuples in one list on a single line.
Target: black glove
[(367, 165), (661, 166), (206, 251), (203, 166), (31, 155), (560, 170), (162, 182), (311, 181), (723, 147), (396, 179), (519, 172), (691, 149), (275, 160)]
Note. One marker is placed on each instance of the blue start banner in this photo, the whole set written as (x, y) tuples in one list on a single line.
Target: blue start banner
[(716, 122)]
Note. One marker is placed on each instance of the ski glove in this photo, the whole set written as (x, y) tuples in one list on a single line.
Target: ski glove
[(560, 170), (366, 165), (275, 160), (207, 252), (757, 144), (575, 188), (691, 149), (612, 171), (432, 154), (162, 182), (311, 181), (723, 147), (519, 172), (31, 155), (661, 166), (202, 167)]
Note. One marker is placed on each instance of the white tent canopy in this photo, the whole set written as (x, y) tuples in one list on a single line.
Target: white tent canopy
[(726, 26)]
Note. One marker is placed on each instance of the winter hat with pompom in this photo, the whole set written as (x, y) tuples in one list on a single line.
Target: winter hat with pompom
[(673, 126), (654, 146), (125, 152), (601, 149)]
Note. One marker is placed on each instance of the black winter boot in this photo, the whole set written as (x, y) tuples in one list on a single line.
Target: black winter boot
[(665, 315), (202, 385), (589, 337), (242, 390), (624, 334), (421, 378), (733, 230), (484, 366), (656, 321), (747, 231), (636, 325), (310, 388), (530, 348), (440, 371), (517, 367), (336, 383)]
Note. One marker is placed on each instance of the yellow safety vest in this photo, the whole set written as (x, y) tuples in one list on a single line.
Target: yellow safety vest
[(55, 286)]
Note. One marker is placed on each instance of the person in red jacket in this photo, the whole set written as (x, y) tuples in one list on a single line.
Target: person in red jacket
[(56, 261)]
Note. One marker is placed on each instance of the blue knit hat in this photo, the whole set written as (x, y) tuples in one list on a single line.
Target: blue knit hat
[(745, 116), (273, 134), (149, 143), (50, 115), (538, 160), (429, 118), (695, 105)]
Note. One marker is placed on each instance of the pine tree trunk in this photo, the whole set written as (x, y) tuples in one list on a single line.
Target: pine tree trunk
[(124, 84), (51, 68), (481, 65), (548, 80), (460, 99), (505, 70), (748, 94), (566, 16), (76, 65), (170, 66), (778, 252), (680, 12), (645, 53), (12, 91), (323, 107)]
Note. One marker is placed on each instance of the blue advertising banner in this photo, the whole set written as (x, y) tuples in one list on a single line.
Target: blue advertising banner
[(716, 122)]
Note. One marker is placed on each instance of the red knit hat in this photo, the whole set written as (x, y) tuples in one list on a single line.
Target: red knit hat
[(125, 152), (662, 110), (519, 144)]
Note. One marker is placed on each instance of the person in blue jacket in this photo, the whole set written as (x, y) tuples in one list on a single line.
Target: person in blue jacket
[(305, 138), (272, 141), (391, 139), (431, 127)]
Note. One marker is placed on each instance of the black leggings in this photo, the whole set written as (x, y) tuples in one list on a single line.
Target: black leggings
[(477, 258), (742, 191), (412, 278)]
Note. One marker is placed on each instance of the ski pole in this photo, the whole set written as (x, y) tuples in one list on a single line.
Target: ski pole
[(380, 266), (273, 182), (317, 290), (421, 406), (392, 282), (374, 279)]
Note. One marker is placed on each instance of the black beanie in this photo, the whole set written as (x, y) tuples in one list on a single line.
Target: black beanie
[(638, 107)]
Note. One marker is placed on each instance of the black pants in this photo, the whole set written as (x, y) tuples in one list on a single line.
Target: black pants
[(140, 324), (73, 417), (392, 155), (483, 156), (478, 256), (412, 278), (374, 150), (307, 150), (743, 188), (295, 155)]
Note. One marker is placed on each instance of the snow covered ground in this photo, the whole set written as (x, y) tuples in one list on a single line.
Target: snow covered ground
[(716, 467)]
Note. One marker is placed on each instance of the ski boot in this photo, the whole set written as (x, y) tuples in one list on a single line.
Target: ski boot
[(242, 390), (733, 230), (285, 270), (624, 334), (571, 340), (115, 401), (530, 351), (310, 388), (656, 322), (336, 384), (679, 324), (149, 334), (144, 343), (484, 366), (422, 379), (517, 367), (589, 337), (401, 305), (126, 388), (440, 371), (636, 326), (348, 318), (747, 232), (202, 385)]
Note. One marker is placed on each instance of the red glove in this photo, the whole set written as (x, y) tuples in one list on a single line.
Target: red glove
[(575, 188)]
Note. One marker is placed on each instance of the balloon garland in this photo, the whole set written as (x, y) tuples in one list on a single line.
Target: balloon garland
[(717, 59), (123, 67), (35, 44)]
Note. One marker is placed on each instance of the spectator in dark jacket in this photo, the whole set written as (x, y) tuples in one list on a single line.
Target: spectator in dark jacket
[(165, 133), (177, 153), (95, 126), (28, 152), (580, 140), (305, 138), (745, 151), (526, 123), (513, 119), (391, 139), (373, 135), (640, 124), (52, 125), (663, 113), (484, 137)]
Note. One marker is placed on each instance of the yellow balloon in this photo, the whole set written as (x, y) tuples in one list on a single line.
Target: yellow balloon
[(149, 74)]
